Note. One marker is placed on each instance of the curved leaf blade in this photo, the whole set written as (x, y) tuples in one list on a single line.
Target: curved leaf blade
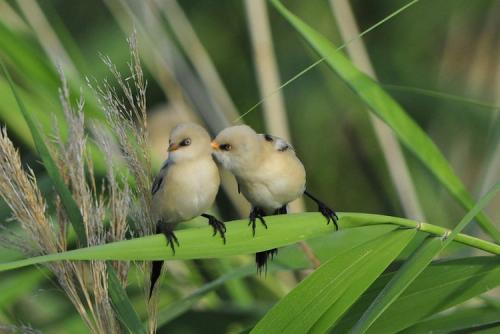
[(329, 290), (464, 319), (387, 109), (66, 198), (121, 303), (414, 266), (198, 243), (440, 286), (290, 257)]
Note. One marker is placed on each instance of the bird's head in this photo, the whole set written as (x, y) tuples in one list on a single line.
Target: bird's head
[(237, 148), (188, 141)]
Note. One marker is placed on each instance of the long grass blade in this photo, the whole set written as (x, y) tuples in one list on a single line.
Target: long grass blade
[(439, 287), (66, 198), (466, 319), (324, 295), (319, 61), (414, 266), (381, 104), (290, 258), (122, 305), (391, 149), (441, 95), (197, 243)]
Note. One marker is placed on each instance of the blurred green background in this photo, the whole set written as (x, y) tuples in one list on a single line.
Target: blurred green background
[(434, 47)]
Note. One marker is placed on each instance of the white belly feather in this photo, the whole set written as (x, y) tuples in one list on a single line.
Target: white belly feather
[(189, 190)]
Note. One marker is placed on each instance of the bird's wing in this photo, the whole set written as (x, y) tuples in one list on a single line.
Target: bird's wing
[(159, 178), (156, 184)]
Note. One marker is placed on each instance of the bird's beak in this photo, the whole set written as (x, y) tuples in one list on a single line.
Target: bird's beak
[(172, 147), (214, 145)]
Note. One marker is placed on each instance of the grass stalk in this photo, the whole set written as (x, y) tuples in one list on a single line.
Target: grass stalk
[(46, 35), (395, 161), (198, 56)]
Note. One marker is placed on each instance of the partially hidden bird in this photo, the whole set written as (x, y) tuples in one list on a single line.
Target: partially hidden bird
[(269, 175), (185, 187)]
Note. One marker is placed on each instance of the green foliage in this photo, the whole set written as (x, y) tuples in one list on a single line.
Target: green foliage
[(465, 319), (198, 243), (318, 301), (124, 309), (417, 262), (69, 203), (382, 105), (441, 286), (122, 305), (377, 275)]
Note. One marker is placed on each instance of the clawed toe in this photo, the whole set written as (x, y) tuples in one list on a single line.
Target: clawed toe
[(171, 240), (217, 226), (256, 213), (329, 214)]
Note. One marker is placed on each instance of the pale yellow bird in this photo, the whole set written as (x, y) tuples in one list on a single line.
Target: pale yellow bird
[(268, 173), (186, 186)]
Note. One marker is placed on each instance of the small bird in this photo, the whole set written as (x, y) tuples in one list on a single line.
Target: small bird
[(268, 173), (185, 187)]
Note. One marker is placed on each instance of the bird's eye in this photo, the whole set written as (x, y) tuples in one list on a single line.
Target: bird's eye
[(225, 147), (268, 137), (186, 142)]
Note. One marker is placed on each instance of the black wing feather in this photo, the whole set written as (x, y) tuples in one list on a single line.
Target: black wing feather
[(156, 184), (159, 179)]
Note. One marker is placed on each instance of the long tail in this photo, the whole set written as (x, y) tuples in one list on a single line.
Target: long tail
[(156, 267), (155, 274), (261, 258)]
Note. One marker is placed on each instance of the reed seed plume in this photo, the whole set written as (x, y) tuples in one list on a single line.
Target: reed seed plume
[(124, 106), (124, 139), (85, 283), (119, 196), (19, 189), (125, 111)]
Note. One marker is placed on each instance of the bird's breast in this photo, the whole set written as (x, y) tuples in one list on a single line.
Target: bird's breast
[(274, 184), (190, 190)]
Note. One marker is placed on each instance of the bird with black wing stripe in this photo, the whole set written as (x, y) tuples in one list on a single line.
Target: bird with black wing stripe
[(185, 187), (268, 173)]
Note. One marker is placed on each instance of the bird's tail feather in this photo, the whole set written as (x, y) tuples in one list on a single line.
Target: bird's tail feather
[(261, 259), (155, 274)]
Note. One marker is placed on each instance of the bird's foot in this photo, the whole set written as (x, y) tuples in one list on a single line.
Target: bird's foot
[(256, 213), (217, 225), (171, 239), (328, 213)]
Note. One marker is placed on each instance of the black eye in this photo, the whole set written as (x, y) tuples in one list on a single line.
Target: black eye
[(185, 142), (225, 147), (268, 137)]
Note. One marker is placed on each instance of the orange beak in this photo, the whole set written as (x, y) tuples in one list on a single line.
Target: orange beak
[(173, 147), (214, 145)]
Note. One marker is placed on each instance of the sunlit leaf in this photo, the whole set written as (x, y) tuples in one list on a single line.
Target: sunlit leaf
[(440, 286), (385, 107), (318, 301)]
